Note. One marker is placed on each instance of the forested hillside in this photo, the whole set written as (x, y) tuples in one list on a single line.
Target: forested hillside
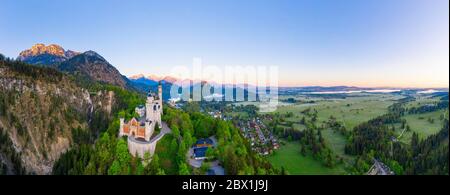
[(44, 113), (110, 155)]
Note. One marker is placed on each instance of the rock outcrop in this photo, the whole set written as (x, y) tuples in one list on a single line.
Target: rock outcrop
[(50, 55)]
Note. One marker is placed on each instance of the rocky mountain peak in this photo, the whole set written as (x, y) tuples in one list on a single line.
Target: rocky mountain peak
[(88, 64), (46, 55), (40, 48), (138, 76)]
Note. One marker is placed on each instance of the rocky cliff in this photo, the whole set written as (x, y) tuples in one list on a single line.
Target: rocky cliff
[(44, 112)]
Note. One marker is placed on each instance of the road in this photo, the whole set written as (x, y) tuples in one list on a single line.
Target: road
[(164, 130)]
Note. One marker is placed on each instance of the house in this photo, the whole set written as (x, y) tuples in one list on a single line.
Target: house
[(200, 147), (200, 153)]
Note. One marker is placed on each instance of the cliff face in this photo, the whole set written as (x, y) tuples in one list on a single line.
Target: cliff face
[(44, 112)]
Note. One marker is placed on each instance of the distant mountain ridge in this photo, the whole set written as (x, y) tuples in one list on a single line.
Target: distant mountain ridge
[(153, 79), (150, 79), (150, 82), (88, 64)]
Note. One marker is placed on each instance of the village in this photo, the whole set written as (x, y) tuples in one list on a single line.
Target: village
[(261, 139)]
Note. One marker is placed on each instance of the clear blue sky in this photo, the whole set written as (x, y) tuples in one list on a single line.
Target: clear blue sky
[(314, 42)]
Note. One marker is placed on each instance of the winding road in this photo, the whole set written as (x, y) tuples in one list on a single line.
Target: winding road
[(164, 130)]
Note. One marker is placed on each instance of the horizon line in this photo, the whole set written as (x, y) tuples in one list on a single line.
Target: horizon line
[(299, 85)]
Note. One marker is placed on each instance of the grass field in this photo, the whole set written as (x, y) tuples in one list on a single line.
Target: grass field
[(419, 123), (421, 100), (352, 110), (243, 115), (336, 141), (289, 157)]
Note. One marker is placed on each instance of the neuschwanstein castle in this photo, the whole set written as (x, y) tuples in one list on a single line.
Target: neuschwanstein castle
[(140, 130)]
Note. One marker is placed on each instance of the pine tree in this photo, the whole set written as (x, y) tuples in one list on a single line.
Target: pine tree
[(415, 144)]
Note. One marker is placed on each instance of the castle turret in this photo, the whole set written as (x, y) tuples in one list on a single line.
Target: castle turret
[(160, 101)]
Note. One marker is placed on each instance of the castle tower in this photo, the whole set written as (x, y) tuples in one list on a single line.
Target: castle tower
[(149, 114), (149, 129), (160, 96), (153, 109)]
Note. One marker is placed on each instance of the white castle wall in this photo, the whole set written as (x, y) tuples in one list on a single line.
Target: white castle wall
[(140, 148), (149, 129)]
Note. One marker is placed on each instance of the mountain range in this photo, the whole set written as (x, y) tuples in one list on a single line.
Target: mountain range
[(92, 66), (89, 64)]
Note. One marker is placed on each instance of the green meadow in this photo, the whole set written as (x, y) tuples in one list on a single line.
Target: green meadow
[(336, 141), (420, 124), (289, 157), (351, 110)]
